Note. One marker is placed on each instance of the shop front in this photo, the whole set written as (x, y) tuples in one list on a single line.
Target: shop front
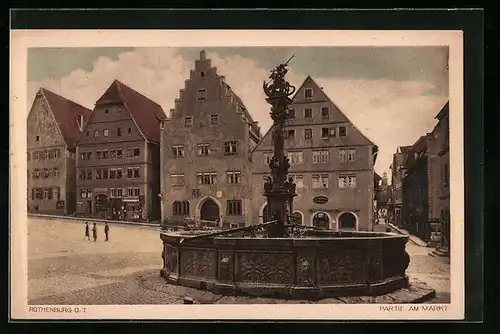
[(133, 208)]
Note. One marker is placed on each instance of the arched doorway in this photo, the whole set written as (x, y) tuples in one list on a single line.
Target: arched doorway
[(347, 220), (297, 218), (321, 220), (209, 210)]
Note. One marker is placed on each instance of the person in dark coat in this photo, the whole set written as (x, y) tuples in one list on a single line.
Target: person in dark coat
[(94, 232), (87, 232), (106, 230)]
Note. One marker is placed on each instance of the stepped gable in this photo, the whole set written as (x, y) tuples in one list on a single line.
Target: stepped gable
[(145, 112), (66, 112)]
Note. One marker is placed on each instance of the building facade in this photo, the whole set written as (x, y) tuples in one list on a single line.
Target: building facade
[(331, 163), (53, 126), (118, 157), (439, 173), (415, 209), (205, 152), (398, 171)]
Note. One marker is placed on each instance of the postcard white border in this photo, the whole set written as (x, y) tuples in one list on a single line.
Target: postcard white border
[(21, 40)]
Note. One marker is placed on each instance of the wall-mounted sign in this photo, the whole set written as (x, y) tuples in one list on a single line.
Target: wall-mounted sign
[(320, 199)]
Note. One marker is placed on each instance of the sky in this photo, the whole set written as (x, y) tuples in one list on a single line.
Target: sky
[(392, 94)]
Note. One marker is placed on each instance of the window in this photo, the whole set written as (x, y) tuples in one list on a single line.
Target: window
[(342, 131), (180, 208), (162, 125), (98, 154), (45, 173), (320, 181), (130, 173), (289, 134), (55, 173), (202, 73), (203, 149), (347, 181), (105, 154), (325, 112), (188, 121), (233, 177), (325, 133), (98, 174), (347, 154), (112, 153), (89, 174), (291, 113), (105, 174), (119, 153), (119, 192), (83, 155), (178, 151), (86, 193), (36, 155), (231, 147), (112, 173), (119, 173), (130, 192), (308, 93), (137, 192), (299, 180), (46, 155), (87, 133), (113, 192), (308, 134), (308, 113), (320, 156), (178, 180), (206, 178), (38, 193), (129, 131), (119, 132), (56, 193), (36, 173), (202, 94), (105, 132), (37, 138), (137, 152), (214, 119), (96, 133), (234, 207), (295, 157), (88, 155), (106, 111), (136, 172)]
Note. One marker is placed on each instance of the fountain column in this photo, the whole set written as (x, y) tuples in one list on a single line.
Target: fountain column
[(278, 189)]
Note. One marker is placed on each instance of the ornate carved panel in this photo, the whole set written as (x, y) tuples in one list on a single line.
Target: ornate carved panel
[(170, 258), (273, 268), (226, 267), (344, 266), (305, 269), (198, 263)]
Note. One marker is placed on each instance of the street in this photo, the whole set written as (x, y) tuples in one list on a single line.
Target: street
[(65, 269)]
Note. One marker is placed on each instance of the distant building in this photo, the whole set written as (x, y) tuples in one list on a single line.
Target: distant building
[(53, 126), (331, 163), (397, 169), (205, 152), (439, 172), (382, 195), (118, 157)]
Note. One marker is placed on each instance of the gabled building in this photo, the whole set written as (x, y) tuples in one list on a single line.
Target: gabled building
[(53, 126), (118, 157), (331, 162), (206, 145), (398, 159)]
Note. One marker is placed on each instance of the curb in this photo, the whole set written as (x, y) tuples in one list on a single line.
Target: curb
[(413, 238), (94, 220)]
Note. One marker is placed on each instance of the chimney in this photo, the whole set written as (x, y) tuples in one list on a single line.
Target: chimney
[(203, 55)]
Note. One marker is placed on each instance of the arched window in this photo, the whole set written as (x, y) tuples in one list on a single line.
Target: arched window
[(180, 208), (297, 218), (321, 220)]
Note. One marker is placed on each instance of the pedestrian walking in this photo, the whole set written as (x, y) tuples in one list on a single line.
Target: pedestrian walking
[(106, 230), (87, 232), (94, 232)]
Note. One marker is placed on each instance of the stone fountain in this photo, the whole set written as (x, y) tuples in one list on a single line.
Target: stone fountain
[(281, 259)]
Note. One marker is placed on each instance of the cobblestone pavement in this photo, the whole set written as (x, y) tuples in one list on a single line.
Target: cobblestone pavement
[(64, 269)]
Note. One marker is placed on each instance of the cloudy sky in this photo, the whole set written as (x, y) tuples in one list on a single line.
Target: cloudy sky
[(392, 94)]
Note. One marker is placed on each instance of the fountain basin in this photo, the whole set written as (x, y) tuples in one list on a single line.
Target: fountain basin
[(318, 265)]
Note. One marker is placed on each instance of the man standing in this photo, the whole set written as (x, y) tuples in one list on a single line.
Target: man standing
[(94, 232), (106, 230), (87, 232)]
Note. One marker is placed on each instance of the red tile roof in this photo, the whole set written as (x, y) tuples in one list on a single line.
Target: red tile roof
[(65, 112), (146, 113)]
